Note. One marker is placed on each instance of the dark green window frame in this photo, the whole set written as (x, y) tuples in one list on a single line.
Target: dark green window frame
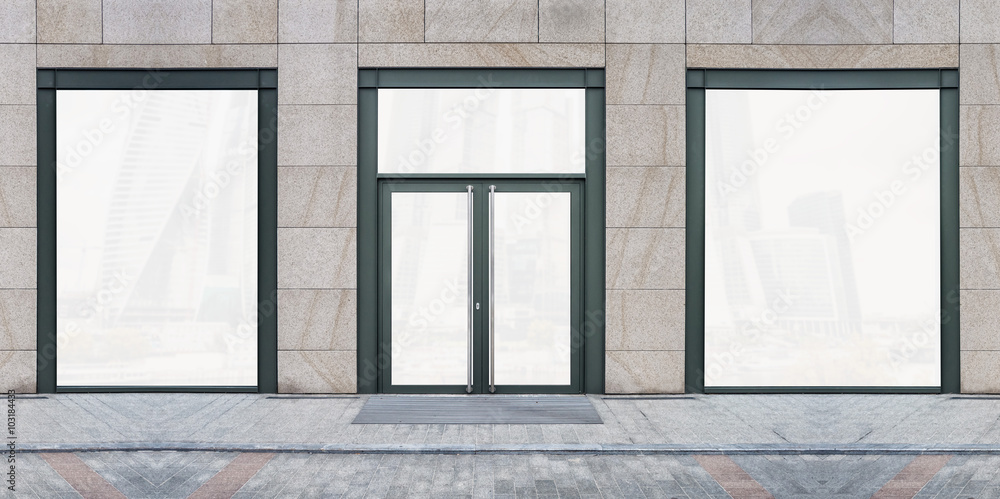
[(265, 81), (370, 359), (698, 80)]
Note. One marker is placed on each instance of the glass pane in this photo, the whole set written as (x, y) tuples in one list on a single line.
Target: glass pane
[(156, 237), (532, 288), (481, 130), (822, 245), (430, 298)]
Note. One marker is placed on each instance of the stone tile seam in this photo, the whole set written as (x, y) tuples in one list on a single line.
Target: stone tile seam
[(282, 288), (518, 449), (645, 350), (309, 350)]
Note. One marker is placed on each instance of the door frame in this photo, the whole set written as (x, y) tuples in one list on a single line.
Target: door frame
[(698, 80), (480, 236), (371, 358)]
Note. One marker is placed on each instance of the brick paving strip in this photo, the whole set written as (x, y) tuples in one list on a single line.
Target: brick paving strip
[(732, 478), (234, 476), (80, 476), (912, 477)]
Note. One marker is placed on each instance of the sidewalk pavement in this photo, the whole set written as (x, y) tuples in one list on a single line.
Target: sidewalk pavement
[(716, 446), (907, 423)]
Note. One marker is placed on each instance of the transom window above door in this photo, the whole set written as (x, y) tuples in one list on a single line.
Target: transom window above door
[(481, 130)]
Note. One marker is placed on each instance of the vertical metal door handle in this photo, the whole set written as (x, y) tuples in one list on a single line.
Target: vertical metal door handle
[(468, 387), (493, 388)]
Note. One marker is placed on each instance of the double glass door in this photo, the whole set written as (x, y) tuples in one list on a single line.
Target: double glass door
[(479, 286)]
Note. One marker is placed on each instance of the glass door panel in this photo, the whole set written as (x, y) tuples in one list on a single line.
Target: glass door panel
[(532, 302), (429, 282), (480, 293)]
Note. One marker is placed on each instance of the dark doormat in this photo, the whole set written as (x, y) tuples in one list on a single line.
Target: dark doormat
[(478, 409)]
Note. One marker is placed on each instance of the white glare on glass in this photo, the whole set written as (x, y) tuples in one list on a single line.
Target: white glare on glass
[(822, 238), (430, 272), (532, 324), (481, 130), (156, 238)]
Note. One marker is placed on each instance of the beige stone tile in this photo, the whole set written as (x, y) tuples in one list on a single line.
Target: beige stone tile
[(571, 21), (18, 249), (645, 196), (822, 56), (17, 135), (481, 54), (17, 79), (17, 197), (317, 196), (822, 21), (979, 196), (177, 21), (317, 135), (644, 372), (980, 258), (317, 372), (718, 21), (17, 21), (317, 258), (980, 371), (979, 320), (979, 135), (925, 21), (17, 371), (980, 21), (318, 73), (388, 21), (18, 319), (69, 21), (645, 74), (980, 78), (645, 21), (158, 56), (497, 21), (646, 135), (317, 21), (317, 319), (645, 320), (244, 21), (645, 259)]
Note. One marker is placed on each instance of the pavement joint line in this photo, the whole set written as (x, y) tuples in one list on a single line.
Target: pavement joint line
[(515, 449)]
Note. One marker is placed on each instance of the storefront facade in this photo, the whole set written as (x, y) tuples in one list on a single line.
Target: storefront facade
[(605, 186)]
